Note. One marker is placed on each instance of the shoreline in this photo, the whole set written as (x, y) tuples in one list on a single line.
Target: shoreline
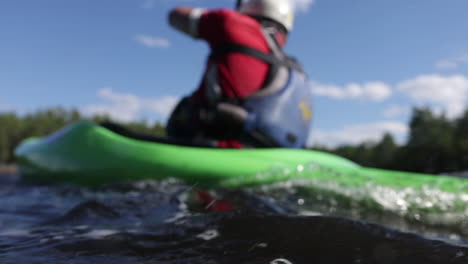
[(8, 169)]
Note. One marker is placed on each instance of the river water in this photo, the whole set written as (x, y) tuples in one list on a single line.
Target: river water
[(173, 222)]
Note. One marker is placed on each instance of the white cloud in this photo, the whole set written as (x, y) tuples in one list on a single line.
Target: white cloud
[(373, 91), (303, 5), (356, 134), (128, 107), (452, 63), (448, 92), (152, 41), (162, 106), (396, 110)]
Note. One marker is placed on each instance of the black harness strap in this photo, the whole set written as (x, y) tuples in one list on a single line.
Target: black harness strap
[(265, 57)]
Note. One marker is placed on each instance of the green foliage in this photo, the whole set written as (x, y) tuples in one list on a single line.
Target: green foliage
[(14, 128), (435, 144), (461, 140), (431, 144), (384, 152)]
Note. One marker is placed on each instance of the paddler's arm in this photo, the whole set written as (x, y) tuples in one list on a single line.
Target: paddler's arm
[(185, 19)]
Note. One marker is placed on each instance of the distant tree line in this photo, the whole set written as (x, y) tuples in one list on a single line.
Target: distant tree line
[(436, 144), (14, 128)]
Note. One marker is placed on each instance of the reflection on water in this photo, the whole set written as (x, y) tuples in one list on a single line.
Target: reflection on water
[(168, 222)]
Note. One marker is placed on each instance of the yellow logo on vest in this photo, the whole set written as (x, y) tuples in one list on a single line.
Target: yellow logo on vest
[(306, 111)]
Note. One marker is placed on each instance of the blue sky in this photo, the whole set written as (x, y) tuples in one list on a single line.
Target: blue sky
[(369, 61)]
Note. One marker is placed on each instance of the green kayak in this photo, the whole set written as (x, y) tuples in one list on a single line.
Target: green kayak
[(89, 154)]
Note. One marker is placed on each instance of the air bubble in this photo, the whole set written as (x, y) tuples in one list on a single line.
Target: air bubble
[(281, 261)]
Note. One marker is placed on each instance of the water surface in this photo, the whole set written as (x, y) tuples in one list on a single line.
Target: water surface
[(173, 222)]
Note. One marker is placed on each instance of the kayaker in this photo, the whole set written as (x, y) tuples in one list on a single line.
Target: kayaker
[(251, 93)]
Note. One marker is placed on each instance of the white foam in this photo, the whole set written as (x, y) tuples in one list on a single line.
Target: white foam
[(15, 233), (100, 233), (209, 234)]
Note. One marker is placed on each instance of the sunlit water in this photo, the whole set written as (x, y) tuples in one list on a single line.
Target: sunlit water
[(302, 221)]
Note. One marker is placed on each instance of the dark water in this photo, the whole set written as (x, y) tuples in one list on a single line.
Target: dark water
[(171, 222)]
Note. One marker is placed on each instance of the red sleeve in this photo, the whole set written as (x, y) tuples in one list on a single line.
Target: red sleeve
[(212, 25)]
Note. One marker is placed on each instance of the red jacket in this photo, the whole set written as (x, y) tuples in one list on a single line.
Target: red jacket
[(239, 75)]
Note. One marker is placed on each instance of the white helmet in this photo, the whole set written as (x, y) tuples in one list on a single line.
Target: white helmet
[(281, 11)]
